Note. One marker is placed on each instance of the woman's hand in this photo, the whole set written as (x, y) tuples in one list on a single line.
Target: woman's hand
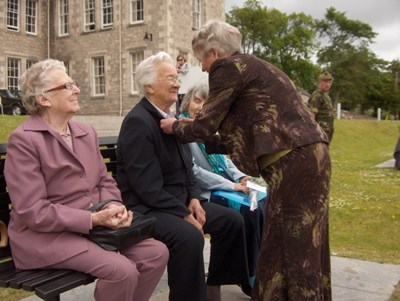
[(244, 180), (190, 219), (240, 187), (166, 125), (114, 217), (197, 211)]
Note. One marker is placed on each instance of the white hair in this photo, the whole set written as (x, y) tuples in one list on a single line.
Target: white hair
[(146, 71)]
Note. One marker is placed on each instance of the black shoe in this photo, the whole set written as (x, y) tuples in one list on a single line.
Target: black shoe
[(246, 289)]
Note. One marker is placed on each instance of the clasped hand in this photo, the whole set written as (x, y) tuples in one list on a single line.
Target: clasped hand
[(198, 216), (114, 217)]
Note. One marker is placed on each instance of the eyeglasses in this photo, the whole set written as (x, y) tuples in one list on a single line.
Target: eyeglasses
[(67, 86), (172, 80)]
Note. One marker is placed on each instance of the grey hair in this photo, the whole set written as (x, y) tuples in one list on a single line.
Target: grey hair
[(35, 80), (146, 71), (218, 35), (199, 90)]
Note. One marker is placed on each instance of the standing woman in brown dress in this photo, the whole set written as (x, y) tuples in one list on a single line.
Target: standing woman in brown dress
[(266, 129)]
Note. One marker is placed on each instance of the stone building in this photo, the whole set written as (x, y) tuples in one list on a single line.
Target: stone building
[(100, 41)]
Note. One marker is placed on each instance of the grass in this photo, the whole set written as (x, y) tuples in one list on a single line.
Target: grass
[(7, 124), (364, 205)]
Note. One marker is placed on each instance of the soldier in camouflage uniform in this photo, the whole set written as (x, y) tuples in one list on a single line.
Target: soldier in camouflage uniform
[(267, 130), (320, 104)]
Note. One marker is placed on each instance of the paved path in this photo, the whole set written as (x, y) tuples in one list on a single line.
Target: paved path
[(352, 280)]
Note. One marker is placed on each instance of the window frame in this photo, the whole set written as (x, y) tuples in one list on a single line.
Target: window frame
[(29, 63), (13, 72), (13, 7), (98, 76), (135, 11), (107, 12), (135, 57), (197, 14), (63, 17), (89, 12), (29, 17)]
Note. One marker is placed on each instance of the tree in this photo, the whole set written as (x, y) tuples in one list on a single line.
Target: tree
[(347, 56), (287, 41)]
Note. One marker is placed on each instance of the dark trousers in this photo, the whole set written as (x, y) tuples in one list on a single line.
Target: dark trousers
[(253, 223), (186, 275)]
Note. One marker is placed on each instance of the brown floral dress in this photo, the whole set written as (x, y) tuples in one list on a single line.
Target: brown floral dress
[(255, 109)]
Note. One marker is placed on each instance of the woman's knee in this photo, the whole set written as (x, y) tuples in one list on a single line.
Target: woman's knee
[(120, 270), (191, 240)]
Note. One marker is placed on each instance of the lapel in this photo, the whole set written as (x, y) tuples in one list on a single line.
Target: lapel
[(157, 117), (37, 124)]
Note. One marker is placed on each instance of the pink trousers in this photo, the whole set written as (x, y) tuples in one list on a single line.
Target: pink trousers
[(130, 275)]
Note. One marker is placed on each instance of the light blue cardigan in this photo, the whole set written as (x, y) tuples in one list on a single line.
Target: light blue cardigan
[(206, 179)]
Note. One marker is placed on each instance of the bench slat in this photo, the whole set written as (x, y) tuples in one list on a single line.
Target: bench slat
[(51, 276), (32, 275), (59, 286), (13, 275)]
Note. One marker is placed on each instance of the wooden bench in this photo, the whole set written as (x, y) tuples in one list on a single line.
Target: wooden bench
[(50, 283)]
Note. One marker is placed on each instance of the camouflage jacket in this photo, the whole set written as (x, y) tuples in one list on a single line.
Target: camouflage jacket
[(256, 111), (321, 105)]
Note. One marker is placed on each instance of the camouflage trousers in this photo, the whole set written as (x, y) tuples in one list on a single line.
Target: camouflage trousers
[(294, 261)]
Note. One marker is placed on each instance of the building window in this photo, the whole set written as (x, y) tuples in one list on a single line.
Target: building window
[(137, 11), (99, 79), (29, 63), (12, 15), (107, 13), (63, 17), (196, 14), (13, 71), (89, 16), (66, 65), (136, 58), (31, 16)]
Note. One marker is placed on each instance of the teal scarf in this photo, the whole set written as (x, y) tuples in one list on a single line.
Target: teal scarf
[(216, 161)]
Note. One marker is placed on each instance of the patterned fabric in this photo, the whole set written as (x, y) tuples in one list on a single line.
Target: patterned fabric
[(256, 110), (321, 105), (295, 260)]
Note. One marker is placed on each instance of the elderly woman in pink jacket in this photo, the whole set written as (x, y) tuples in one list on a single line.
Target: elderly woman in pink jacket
[(55, 172)]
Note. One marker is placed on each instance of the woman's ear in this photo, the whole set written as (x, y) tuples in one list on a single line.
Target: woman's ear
[(149, 89), (43, 101), (214, 53)]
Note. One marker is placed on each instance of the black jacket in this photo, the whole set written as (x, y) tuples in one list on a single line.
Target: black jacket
[(154, 169)]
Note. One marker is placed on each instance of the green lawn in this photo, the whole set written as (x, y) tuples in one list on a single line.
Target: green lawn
[(365, 203)]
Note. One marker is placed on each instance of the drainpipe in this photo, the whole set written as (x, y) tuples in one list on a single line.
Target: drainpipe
[(48, 28), (120, 58)]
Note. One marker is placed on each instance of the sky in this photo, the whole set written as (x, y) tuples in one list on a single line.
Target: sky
[(383, 16)]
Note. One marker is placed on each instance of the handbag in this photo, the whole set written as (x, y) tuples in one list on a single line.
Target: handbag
[(142, 227)]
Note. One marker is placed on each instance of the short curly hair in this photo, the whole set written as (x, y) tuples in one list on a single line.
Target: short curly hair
[(34, 81)]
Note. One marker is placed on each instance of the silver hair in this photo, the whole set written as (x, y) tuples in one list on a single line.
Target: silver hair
[(35, 80), (218, 35), (199, 90), (146, 71)]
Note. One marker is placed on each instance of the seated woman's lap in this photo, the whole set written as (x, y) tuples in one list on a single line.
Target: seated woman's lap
[(102, 263)]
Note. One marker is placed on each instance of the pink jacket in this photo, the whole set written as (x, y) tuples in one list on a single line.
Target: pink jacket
[(51, 187)]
